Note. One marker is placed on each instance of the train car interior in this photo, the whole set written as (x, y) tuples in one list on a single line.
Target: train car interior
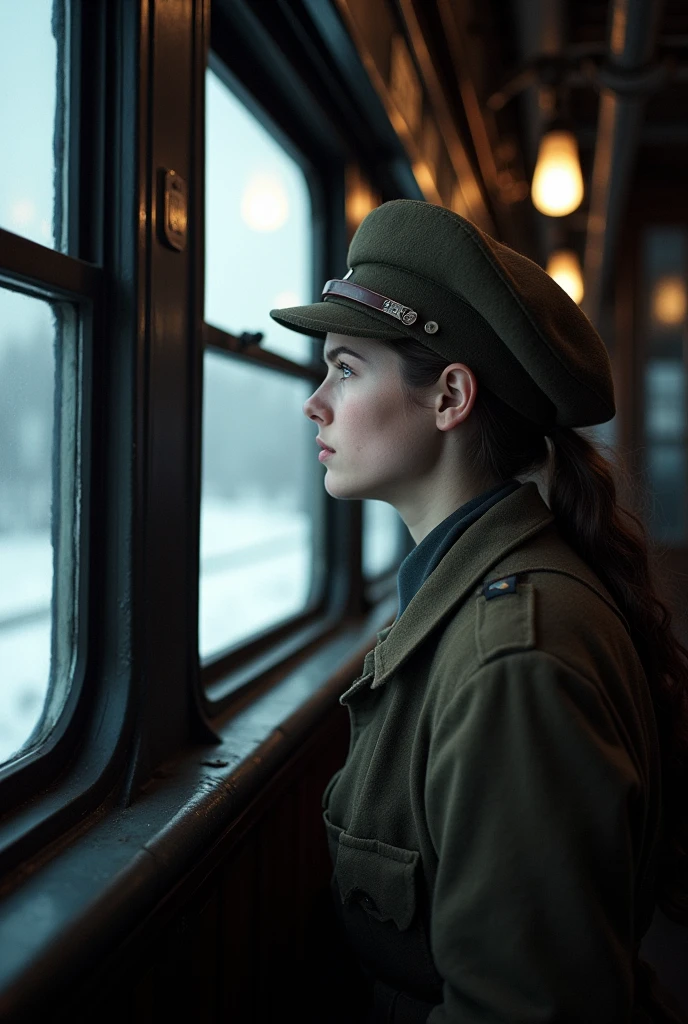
[(171, 170)]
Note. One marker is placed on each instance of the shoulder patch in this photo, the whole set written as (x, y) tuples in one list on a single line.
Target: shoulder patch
[(499, 587), (508, 625)]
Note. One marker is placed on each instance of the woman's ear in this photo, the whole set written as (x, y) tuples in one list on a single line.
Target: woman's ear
[(457, 391)]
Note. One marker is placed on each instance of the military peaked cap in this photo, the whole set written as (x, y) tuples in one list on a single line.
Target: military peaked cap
[(420, 271)]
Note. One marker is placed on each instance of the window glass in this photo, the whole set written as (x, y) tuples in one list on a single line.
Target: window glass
[(666, 465), (258, 226), (258, 498), (33, 116), (666, 276), (382, 531), (36, 522)]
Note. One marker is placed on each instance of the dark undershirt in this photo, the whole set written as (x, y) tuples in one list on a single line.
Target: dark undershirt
[(426, 556)]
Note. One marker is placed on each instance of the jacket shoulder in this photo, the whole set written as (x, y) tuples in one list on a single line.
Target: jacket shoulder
[(504, 617), (543, 597)]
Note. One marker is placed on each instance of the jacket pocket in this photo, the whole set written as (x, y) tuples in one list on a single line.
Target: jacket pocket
[(377, 893), (380, 877)]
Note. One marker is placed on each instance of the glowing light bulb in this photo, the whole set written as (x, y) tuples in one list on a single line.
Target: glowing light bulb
[(669, 301), (563, 266), (264, 204), (557, 182)]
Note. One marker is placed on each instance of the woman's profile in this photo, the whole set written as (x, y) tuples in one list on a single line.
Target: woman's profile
[(512, 806)]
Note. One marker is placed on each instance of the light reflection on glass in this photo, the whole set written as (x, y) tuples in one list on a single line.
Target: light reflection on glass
[(258, 225)]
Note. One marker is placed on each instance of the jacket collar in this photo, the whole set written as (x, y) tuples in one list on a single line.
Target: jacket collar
[(504, 527)]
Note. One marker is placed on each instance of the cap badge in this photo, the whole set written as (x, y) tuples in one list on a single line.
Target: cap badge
[(431, 327), (403, 313), (367, 297)]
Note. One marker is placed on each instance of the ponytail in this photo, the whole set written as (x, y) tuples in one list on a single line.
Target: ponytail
[(582, 497)]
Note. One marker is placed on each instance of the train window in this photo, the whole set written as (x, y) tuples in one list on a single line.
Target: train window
[(666, 274), (258, 225), (38, 422), (382, 532), (32, 200), (257, 501)]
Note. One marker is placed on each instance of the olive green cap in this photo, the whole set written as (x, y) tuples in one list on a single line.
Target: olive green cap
[(471, 300)]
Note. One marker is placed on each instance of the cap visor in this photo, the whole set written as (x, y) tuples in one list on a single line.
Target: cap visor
[(338, 318)]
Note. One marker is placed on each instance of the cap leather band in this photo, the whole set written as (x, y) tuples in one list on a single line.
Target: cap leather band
[(366, 297)]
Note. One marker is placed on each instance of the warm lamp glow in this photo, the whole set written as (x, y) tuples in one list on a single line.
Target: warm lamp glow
[(264, 204), (557, 183), (358, 205), (424, 176), (564, 267), (669, 301)]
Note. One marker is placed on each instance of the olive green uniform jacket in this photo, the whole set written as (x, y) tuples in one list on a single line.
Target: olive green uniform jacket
[(495, 825)]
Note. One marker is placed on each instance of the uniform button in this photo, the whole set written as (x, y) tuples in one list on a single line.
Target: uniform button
[(368, 902)]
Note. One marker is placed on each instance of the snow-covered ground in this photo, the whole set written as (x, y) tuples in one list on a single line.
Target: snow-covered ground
[(255, 571)]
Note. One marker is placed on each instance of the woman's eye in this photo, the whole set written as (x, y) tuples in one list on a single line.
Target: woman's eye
[(347, 369)]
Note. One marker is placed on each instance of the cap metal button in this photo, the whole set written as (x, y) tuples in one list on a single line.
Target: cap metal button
[(431, 327)]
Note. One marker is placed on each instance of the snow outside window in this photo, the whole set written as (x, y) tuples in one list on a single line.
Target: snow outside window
[(39, 460), (258, 493)]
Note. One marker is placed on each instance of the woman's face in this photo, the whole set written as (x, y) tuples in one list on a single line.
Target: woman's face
[(383, 445)]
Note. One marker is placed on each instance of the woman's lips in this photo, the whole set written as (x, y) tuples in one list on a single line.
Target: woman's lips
[(326, 450)]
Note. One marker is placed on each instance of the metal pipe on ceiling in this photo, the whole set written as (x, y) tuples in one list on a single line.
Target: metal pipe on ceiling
[(633, 35), (540, 31)]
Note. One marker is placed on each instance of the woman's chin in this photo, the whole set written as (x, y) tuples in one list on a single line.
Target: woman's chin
[(339, 488), (346, 491), (335, 488)]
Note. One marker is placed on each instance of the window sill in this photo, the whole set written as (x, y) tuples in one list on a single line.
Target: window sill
[(65, 910)]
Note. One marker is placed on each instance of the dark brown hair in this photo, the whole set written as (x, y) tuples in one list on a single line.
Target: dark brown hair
[(582, 497)]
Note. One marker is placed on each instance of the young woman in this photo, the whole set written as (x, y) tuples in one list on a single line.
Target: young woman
[(512, 806)]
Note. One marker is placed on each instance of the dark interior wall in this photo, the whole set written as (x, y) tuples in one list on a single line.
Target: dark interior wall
[(246, 936)]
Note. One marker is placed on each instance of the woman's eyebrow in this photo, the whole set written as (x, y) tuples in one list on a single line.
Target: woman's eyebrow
[(341, 349)]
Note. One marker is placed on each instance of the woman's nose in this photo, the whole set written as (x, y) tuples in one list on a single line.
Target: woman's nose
[(315, 409)]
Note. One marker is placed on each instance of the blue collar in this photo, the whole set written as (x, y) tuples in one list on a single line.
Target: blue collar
[(426, 556)]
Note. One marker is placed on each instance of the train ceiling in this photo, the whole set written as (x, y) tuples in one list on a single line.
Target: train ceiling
[(493, 73), (618, 72)]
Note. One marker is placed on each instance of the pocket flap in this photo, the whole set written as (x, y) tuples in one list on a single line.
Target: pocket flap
[(381, 877)]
